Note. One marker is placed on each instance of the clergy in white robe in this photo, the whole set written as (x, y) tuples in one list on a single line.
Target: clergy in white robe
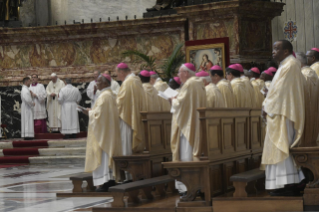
[(53, 105), (27, 127), (92, 90), (69, 97), (153, 101), (313, 59), (285, 109), (104, 137), (258, 84), (185, 135), (159, 85), (39, 111), (115, 86)]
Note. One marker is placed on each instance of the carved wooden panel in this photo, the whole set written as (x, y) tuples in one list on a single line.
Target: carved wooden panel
[(228, 171), (241, 165), (214, 138), (255, 131), (156, 136), (241, 135), (256, 161), (216, 177), (156, 166), (228, 135), (167, 126)]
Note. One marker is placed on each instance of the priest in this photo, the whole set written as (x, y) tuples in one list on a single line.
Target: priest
[(251, 103), (241, 95), (69, 97), (214, 97), (311, 102), (53, 105), (153, 101), (284, 109), (159, 85), (27, 127), (104, 136), (258, 85), (115, 86), (175, 83), (266, 76), (217, 75), (313, 59), (39, 112), (92, 91), (130, 102)]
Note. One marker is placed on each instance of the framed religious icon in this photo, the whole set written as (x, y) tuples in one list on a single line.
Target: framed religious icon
[(204, 54)]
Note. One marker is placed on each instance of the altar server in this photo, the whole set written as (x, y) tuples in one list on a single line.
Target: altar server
[(92, 90), (69, 97), (285, 111), (53, 105), (241, 95), (27, 127), (313, 59), (153, 101), (159, 85), (251, 100), (217, 75), (214, 97), (258, 85), (104, 136), (130, 102), (39, 112)]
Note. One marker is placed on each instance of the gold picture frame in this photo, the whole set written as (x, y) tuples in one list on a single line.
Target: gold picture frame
[(205, 56)]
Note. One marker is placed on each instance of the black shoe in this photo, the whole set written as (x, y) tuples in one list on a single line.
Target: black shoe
[(28, 138), (73, 135), (105, 187), (286, 193)]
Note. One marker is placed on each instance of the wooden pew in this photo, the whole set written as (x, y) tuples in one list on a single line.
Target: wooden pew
[(231, 143), (157, 129)]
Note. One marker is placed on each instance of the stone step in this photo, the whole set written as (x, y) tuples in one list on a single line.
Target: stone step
[(42, 151), (48, 144), (57, 160)]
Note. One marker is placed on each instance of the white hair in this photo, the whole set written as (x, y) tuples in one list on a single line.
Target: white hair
[(301, 57), (208, 79), (53, 75), (155, 76), (192, 73)]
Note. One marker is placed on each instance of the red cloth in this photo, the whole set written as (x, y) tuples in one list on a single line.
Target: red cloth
[(40, 126)]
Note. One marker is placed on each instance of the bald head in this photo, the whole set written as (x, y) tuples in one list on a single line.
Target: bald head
[(312, 57)]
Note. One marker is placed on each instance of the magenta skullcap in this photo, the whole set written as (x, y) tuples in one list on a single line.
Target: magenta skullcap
[(268, 72), (240, 67), (145, 73), (152, 73), (255, 69), (272, 69), (189, 66), (178, 80), (315, 49), (108, 77), (202, 74), (294, 54), (216, 68), (235, 67), (122, 66)]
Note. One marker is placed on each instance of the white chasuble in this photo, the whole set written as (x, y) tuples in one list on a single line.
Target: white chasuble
[(104, 138), (215, 98), (69, 97), (153, 101), (185, 120), (251, 100), (241, 95), (226, 90), (258, 85), (53, 105), (39, 108), (130, 102), (315, 67), (285, 107), (159, 85), (27, 125)]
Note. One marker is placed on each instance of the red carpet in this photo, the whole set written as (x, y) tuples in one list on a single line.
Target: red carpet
[(42, 143), (23, 151), (56, 135), (14, 159)]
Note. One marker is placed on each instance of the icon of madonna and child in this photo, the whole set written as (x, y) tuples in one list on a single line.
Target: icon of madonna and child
[(206, 58)]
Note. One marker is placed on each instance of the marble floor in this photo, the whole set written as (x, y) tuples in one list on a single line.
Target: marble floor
[(33, 188)]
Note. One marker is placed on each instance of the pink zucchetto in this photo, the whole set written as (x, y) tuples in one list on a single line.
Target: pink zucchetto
[(152, 73), (240, 67), (315, 49), (145, 73), (202, 74), (272, 69), (122, 66), (235, 67), (294, 54), (268, 72), (255, 69), (177, 80), (216, 68), (189, 66), (108, 77)]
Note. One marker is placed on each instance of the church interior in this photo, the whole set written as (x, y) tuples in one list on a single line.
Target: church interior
[(75, 39)]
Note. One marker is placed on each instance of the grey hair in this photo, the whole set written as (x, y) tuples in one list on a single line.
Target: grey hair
[(191, 73), (155, 76), (68, 80), (301, 57), (104, 80)]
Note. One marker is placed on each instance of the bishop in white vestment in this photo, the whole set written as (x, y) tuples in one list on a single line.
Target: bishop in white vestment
[(53, 105), (27, 127), (40, 114), (69, 97)]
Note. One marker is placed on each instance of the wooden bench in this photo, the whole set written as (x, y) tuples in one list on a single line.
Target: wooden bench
[(77, 182), (249, 182), (145, 185)]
